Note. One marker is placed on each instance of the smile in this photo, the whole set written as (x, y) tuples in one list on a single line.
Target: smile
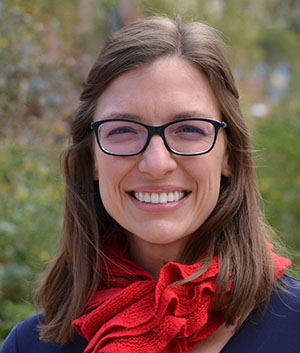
[(159, 198)]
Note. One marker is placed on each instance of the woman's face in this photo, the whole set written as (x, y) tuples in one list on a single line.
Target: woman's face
[(168, 89)]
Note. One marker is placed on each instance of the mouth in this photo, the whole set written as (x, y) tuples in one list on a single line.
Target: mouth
[(159, 198)]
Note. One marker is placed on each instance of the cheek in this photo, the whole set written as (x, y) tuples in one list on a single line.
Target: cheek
[(205, 169), (108, 181), (108, 173), (111, 172), (206, 174)]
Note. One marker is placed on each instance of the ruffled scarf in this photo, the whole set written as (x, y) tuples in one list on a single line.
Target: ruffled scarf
[(138, 314)]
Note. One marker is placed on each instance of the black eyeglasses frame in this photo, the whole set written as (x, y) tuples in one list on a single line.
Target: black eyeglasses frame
[(157, 130)]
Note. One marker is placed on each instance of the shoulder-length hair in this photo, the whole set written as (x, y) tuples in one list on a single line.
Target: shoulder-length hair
[(235, 230)]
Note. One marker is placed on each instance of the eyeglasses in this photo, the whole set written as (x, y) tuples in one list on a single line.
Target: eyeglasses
[(184, 137)]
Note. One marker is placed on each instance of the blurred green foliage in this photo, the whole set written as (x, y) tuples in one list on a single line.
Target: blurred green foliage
[(278, 166), (46, 49), (31, 207)]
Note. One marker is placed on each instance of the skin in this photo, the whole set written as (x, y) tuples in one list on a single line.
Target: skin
[(168, 89)]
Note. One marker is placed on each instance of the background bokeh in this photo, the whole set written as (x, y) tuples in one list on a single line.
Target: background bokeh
[(46, 50)]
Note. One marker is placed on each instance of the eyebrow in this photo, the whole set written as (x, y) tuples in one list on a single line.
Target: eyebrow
[(181, 115), (119, 115), (194, 114)]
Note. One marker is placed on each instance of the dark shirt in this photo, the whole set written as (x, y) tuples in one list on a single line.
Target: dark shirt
[(276, 332)]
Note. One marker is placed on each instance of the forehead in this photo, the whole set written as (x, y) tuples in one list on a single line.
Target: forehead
[(164, 88)]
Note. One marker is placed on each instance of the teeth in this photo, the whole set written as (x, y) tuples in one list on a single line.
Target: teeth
[(154, 198), (147, 198), (159, 198), (141, 196), (163, 198), (171, 197)]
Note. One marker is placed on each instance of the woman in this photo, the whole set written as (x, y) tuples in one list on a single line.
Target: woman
[(164, 247)]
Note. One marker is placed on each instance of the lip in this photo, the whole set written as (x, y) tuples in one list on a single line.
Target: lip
[(159, 189)]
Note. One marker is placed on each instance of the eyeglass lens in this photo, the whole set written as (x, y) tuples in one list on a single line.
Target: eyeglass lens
[(187, 137)]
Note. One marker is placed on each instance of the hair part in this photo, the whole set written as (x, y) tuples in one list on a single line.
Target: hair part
[(235, 230)]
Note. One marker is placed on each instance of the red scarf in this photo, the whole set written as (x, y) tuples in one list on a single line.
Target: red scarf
[(138, 314)]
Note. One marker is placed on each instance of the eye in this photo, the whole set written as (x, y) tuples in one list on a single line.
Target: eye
[(121, 130), (190, 130)]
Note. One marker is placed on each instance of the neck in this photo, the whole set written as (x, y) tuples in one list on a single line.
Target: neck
[(152, 257)]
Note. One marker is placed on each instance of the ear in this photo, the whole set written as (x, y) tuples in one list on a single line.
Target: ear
[(226, 168)]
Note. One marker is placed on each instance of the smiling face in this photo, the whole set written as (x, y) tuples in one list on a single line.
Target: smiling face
[(158, 197)]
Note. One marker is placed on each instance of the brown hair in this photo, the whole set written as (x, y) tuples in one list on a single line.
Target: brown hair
[(235, 230)]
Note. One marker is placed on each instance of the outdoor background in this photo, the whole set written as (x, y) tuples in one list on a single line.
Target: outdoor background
[(46, 50)]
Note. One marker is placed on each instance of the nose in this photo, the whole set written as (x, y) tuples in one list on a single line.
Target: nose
[(156, 160)]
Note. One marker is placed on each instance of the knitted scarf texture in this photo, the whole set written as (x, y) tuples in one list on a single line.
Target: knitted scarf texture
[(138, 314)]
